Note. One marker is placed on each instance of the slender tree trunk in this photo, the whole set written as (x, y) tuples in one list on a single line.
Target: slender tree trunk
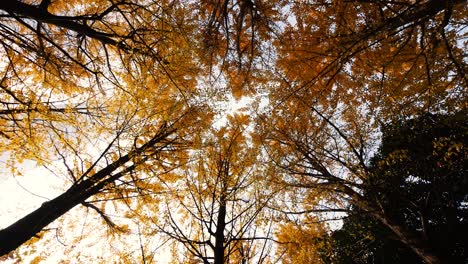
[(416, 244), (219, 235)]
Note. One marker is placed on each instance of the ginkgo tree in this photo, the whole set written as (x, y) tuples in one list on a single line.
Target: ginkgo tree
[(344, 69), (216, 208), (63, 62), (302, 243), (385, 58), (103, 108)]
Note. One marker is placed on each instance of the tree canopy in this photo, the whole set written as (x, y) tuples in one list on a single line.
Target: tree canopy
[(418, 180), (345, 109)]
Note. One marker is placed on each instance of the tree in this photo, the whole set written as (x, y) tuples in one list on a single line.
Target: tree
[(66, 67), (413, 181), (381, 57), (362, 239), (302, 242), (87, 185), (235, 42), (90, 89), (344, 68), (418, 181), (122, 92), (217, 210)]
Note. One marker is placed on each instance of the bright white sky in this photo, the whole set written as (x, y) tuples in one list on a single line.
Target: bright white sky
[(20, 195)]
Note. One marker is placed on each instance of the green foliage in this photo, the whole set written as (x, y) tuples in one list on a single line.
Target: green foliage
[(364, 240), (419, 181)]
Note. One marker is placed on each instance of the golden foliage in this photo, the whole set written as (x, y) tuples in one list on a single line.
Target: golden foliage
[(83, 83), (301, 243)]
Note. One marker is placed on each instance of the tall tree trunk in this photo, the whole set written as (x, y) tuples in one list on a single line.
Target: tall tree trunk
[(416, 244), (219, 235), (27, 227)]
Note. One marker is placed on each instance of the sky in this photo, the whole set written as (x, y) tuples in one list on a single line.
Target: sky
[(20, 195)]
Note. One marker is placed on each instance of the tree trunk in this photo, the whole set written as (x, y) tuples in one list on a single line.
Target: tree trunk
[(417, 245), (219, 235), (27, 227)]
